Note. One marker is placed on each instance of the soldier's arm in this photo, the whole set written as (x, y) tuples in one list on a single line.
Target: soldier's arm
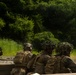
[(45, 59), (70, 64)]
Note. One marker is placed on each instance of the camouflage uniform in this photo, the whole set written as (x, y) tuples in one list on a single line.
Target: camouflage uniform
[(18, 71), (21, 69), (63, 62), (68, 63), (64, 49), (42, 58)]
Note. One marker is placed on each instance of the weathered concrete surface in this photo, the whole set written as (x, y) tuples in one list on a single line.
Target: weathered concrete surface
[(6, 65), (55, 74), (61, 74)]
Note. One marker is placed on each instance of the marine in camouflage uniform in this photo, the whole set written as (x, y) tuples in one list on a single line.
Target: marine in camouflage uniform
[(66, 65), (42, 58), (20, 69)]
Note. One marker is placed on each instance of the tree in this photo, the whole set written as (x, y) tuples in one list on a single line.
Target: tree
[(43, 36), (22, 28), (2, 23), (3, 9), (38, 27)]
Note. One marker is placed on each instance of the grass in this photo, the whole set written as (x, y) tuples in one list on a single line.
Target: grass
[(9, 47), (73, 53)]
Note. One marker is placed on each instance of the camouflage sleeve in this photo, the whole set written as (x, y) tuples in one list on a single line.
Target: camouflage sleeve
[(46, 58), (70, 64), (30, 55)]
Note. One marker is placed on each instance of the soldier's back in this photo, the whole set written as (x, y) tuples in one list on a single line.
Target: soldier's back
[(56, 65), (40, 63)]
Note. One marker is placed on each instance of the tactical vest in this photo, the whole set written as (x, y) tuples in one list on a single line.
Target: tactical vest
[(40, 63), (22, 58), (56, 65)]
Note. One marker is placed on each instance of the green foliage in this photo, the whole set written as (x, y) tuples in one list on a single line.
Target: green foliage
[(43, 36), (73, 53), (56, 16), (22, 24), (23, 27), (2, 23), (3, 8), (38, 27), (9, 47)]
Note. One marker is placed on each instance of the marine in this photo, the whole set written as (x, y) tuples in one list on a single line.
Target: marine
[(61, 62), (21, 59), (42, 58)]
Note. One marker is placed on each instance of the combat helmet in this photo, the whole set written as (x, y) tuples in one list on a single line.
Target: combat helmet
[(27, 45), (48, 44), (64, 48)]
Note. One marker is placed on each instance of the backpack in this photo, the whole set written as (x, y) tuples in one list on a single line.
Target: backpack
[(22, 57), (55, 65), (40, 63)]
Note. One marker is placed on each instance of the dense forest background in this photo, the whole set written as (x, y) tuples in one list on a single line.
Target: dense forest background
[(36, 20)]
